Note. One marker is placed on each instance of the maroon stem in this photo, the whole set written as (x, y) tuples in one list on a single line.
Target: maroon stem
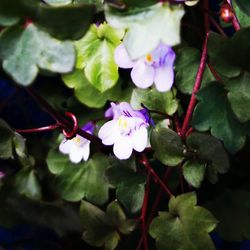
[(60, 119), (235, 21), (217, 26), (35, 130), (145, 162), (144, 209), (197, 85)]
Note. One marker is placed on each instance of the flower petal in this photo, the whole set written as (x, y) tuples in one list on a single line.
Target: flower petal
[(107, 132), (65, 146), (142, 74), (164, 78), (76, 154), (140, 139), (86, 151), (123, 147), (122, 58)]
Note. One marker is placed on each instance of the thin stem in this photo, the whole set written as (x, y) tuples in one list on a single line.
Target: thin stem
[(235, 21), (145, 162), (217, 26), (60, 119), (214, 72), (197, 85), (143, 238), (41, 129)]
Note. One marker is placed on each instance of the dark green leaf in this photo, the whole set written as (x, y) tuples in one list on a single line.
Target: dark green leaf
[(167, 145), (129, 184), (232, 208), (194, 172), (6, 137), (244, 6), (210, 151), (243, 18), (214, 112), (185, 226), (186, 67), (27, 184), (83, 180), (154, 100), (65, 22), (100, 227), (239, 96)]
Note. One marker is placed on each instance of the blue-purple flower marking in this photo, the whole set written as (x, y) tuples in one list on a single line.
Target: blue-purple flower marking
[(78, 148), (126, 131), (156, 67)]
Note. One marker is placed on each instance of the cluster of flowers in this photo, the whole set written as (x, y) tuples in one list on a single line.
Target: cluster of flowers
[(127, 131)]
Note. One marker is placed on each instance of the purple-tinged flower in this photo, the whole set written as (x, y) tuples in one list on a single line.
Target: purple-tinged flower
[(77, 148), (126, 131), (156, 67), (2, 175)]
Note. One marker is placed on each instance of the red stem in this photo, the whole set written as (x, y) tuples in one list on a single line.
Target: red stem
[(145, 162), (144, 209), (235, 21), (35, 130), (217, 26), (197, 85)]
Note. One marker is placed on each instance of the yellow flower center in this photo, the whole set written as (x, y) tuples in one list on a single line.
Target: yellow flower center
[(76, 140), (122, 123), (149, 58)]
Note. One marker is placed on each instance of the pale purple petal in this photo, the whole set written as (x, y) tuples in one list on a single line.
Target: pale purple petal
[(123, 147), (89, 127), (75, 154), (65, 146), (164, 78), (122, 58), (140, 139), (107, 132), (86, 151), (142, 74), (170, 58)]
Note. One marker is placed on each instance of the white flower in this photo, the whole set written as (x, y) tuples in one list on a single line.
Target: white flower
[(77, 148), (127, 131)]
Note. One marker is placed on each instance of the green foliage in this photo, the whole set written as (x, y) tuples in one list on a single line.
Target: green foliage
[(76, 181), (26, 50), (188, 60), (243, 18), (95, 54), (154, 100), (157, 23), (27, 184), (129, 186), (185, 226), (214, 112), (232, 210), (210, 150), (167, 145), (102, 229), (244, 6)]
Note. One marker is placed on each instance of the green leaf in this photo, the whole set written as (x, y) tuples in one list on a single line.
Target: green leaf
[(185, 226), (244, 6), (186, 67), (65, 22), (210, 151), (194, 172), (214, 112), (6, 137), (167, 145), (129, 186), (86, 93), (83, 180), (232, 210), (239, 96), (25, 50), (95, 53), (229, 56), (100, 228), (243, 18), (154, 100), (27, 184), (147, 27)]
